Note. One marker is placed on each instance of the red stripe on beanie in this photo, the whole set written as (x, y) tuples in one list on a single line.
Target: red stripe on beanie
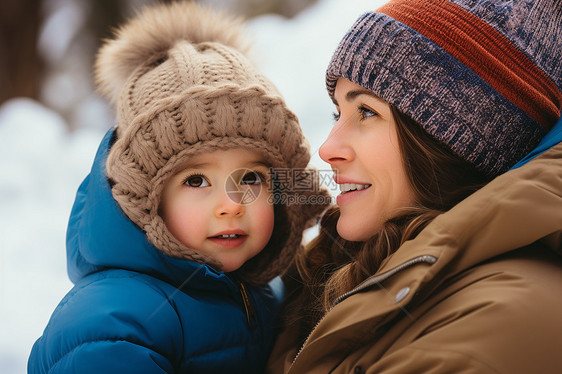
[(485, 51)]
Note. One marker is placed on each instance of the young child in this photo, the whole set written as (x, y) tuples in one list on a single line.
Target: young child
[(180, 227)]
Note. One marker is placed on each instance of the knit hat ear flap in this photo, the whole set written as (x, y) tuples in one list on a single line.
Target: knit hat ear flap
[(148, 37)]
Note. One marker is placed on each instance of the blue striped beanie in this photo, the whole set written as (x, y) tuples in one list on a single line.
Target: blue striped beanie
[(482, 76)]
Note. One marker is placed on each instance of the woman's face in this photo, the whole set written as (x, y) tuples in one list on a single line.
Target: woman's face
[(363, 151)]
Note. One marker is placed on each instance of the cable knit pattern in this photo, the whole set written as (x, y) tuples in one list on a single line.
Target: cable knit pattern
[(187, 88)]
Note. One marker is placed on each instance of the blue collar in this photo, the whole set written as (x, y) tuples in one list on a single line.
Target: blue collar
[(553, 137)]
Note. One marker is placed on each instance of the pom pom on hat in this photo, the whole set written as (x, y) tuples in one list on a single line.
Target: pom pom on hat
[(149, 36)]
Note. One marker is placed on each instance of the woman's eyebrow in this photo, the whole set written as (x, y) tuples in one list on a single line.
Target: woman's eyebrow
[(351, 95)]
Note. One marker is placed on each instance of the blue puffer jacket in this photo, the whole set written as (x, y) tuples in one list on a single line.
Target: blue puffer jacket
[(135, 310)]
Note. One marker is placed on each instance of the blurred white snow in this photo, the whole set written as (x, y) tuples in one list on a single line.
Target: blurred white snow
[(42, 163)]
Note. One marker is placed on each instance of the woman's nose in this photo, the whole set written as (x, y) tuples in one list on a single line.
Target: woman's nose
[(337, 147)]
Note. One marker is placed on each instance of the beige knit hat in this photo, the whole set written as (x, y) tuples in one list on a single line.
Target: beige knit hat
[(182, 86)]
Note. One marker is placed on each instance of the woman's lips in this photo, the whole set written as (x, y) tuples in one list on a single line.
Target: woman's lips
[(350, 188), (346, 197)]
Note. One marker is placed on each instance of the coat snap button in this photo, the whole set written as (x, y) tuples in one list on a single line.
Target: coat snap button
[(402, 294), (358, 370)]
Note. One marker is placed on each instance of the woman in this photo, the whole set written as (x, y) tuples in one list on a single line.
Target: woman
[(444, 254)]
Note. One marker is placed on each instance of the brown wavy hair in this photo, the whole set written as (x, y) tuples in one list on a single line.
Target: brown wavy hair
[(331, 265)]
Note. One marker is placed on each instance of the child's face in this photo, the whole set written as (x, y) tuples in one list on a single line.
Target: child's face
[(218, 205)]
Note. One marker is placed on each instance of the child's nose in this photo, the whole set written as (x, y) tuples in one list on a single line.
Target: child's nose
[(228, 207)]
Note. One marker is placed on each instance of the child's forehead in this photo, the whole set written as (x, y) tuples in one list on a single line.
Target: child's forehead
[(238, 157)]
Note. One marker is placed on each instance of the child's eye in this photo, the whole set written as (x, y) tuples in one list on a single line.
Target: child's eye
[(196, 181), (365, 112), (252, 177)]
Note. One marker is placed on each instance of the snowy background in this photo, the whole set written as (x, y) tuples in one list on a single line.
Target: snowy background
[(42, 163)]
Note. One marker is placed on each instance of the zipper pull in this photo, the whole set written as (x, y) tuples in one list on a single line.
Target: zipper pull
[(250, 314)]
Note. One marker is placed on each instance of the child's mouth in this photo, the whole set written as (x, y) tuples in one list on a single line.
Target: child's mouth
[(229, 240), (227, 236)]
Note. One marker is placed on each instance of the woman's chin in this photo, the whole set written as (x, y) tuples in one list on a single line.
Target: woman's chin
[(353, 231)]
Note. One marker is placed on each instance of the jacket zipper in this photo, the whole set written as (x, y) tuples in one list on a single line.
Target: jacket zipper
[(368, 283), (250, 314)]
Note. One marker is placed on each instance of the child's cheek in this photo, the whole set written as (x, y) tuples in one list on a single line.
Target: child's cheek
[(187, 222), (265, 221)]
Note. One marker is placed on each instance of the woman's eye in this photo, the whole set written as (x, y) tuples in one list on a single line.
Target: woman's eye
[(252, 178), (336, 116), (196, 181), (366, 112)]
